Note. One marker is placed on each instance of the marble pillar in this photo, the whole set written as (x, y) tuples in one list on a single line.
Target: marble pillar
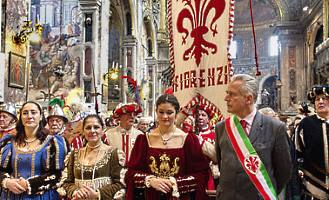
[(291, 82), (92, 8)]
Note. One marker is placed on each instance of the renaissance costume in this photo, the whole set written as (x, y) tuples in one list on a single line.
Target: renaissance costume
[(312, 151), (41, 167), (312, 141), (209, 135), (9, 131), (119, 137), (10, 109), (186, 167), (122, 139), (106, 175)]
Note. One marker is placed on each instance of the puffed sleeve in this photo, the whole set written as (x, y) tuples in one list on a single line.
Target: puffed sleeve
[(54, 163), (6, 147), (137, 167), (197, 169), (69, 184), (116, 164)]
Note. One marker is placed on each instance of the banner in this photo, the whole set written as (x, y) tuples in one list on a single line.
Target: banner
[(200, 32)]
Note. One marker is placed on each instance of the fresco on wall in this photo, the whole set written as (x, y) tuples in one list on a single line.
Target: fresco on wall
[(16, 13), (56, 60), (265, 11)]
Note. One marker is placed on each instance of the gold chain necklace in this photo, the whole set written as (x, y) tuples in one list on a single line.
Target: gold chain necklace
[(165, 140)]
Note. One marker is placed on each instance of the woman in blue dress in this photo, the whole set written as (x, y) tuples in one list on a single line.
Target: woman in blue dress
[(32, 161)]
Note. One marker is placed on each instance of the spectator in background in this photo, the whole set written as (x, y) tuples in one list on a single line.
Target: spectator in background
[(73, 134), (124, 136), (188, 125), (8, 119), (144, 124), (312, 146), (269, 112), (56, 120)]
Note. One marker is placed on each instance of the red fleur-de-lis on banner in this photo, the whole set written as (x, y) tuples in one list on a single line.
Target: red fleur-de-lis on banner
[(197, 14), (252, 163)]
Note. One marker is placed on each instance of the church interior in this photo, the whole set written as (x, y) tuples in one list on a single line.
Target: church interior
[(104, 49)]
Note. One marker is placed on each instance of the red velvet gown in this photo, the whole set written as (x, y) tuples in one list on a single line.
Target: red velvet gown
[(187, 164)]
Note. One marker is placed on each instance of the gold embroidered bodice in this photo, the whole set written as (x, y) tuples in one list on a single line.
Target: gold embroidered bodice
[(166, 168)]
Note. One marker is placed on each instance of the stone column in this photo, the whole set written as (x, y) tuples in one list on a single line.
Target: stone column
[(291, 65), (92, 8), (163, 12), (325, 5), (163, 62), (162, 26), (151, 67), (104, 44), (129, 44)]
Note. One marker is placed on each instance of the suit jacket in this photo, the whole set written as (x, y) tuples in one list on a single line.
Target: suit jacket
[(269, 138)]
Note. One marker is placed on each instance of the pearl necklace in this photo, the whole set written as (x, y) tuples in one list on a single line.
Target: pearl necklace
[(93, 147), (165, 140), (30, 141)]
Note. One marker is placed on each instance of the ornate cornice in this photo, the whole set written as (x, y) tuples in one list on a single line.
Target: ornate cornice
[(286, 28), (258, 26), (90, 4)]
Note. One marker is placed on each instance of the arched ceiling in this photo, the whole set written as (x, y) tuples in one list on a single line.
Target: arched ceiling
[(267, 10), (262, 11)]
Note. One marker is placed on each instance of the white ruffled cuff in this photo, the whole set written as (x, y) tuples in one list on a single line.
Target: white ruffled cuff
[(147, 180), (120, 195), (175, 192)]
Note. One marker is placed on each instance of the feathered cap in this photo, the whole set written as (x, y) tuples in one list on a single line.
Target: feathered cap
[(123, 108), (303, 108), (318, 90), (9, 108), (56, 109), (205, 108)]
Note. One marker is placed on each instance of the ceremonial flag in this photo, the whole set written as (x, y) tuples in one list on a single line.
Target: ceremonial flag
[(200, 32)]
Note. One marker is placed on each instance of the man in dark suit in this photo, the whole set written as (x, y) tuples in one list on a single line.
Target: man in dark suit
[(252, 149)]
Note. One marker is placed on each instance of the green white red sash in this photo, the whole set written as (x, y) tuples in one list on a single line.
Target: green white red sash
[(249, 158)]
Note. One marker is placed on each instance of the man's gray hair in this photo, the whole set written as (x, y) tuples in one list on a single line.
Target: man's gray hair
[(250, 84)]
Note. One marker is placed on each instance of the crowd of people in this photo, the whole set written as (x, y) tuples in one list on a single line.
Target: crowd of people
[(182, 154)]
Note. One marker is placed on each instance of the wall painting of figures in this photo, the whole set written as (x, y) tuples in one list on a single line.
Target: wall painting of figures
[(55, 61)]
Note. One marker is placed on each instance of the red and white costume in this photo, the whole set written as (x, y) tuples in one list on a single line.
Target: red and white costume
[(122, 139), (119, 137), (11, 130), (208, 134)]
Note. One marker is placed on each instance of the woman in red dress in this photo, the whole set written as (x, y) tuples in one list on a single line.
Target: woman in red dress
[(167, 163)]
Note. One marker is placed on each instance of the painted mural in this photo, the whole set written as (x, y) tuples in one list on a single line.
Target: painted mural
[(56, 60), (16, 15)]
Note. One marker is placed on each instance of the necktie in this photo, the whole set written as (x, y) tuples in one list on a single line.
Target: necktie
[(244, 125)]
